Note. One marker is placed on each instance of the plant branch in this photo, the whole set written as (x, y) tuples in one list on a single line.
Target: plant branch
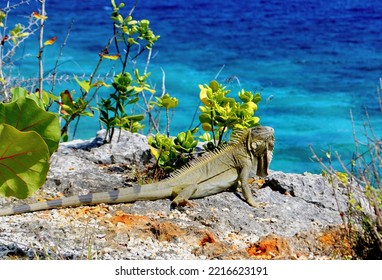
[(54, 75), (41, 49)]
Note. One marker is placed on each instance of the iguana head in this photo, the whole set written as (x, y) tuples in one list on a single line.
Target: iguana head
[(260, 146)]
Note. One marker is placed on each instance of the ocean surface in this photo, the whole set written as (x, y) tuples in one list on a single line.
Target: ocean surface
[(313, 61)]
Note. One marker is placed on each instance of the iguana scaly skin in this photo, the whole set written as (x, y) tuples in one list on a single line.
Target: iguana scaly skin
[(214, 173)]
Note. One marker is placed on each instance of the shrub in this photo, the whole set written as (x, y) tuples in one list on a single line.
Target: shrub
[(363, 177), (220, 113)]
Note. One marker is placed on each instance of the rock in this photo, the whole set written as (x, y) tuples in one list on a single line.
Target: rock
[(131, 148), (300, 219), (80, 167)]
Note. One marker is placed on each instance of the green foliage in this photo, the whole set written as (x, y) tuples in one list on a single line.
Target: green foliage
[(28, 137), (361, 181), (131, 31), (113, 109), (25, 115), (24, 162), (70, 109), (18, 33), (336, 176), (220, 113), (43, 103), (185, 142), (172, 153), (166, 102), (131, 38), (2, 17), (127, 90)]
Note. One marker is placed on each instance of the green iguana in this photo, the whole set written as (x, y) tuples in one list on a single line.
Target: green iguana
[(214, 173)]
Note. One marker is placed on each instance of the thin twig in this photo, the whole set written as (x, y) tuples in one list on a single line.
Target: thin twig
[(133, 8), (221, 69), (41, 49), (54, 74)]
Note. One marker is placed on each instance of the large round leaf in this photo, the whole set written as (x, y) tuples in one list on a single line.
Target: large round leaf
[(24, 162), (25, 115)]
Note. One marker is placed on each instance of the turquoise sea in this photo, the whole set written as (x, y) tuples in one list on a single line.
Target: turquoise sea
[(312, 60)]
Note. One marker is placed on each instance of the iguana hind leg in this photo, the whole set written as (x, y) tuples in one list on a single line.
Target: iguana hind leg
[(182, 195)]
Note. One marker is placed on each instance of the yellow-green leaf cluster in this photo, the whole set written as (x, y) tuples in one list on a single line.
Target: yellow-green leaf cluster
[(2, 17), (130, 30), (166, 101), (171, 153), (18, 32), (220, 113)]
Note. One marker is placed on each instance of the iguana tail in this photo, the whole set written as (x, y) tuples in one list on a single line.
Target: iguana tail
[(146, 192)]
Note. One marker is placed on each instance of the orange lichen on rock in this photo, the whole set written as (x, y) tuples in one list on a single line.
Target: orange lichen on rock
[(167, 231), (270, 247), (98, 210), (130, 220), (145, 227), (207, 238), (335, 242)]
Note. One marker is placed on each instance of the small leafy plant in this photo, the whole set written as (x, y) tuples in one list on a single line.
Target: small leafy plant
[(363, 184), (128, 33), (172, 153), (167, 102), (113, 109), (220, 113)]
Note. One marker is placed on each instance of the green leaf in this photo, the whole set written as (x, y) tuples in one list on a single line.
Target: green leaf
[(65, 137), (136, 118), (214, 85), (66, 98), (85, 85), (134, 100), (207, 127), (205, 118), (245, 96), (24, 162), (87, 114), (220, 119), (206, 137), (169, 102), (67, 110), (40, 103), (257, 98), (18, 92), (25, 115)]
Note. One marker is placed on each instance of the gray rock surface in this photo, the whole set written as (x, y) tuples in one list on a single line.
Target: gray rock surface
[(299, 208)]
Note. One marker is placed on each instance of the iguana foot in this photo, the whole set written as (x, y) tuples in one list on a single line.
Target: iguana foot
[(257, 204), (183, 203)]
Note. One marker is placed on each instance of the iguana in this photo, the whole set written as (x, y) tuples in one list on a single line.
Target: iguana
[(216, 172)]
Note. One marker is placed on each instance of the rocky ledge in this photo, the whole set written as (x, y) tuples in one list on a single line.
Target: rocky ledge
[(300, 220)]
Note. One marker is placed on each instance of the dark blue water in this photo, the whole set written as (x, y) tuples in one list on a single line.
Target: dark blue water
[(312, 60)]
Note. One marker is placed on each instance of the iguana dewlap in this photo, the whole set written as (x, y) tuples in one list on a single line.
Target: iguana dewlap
[(211, 174)]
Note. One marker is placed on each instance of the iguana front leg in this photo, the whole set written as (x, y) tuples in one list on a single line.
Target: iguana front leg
[(243, 179)]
